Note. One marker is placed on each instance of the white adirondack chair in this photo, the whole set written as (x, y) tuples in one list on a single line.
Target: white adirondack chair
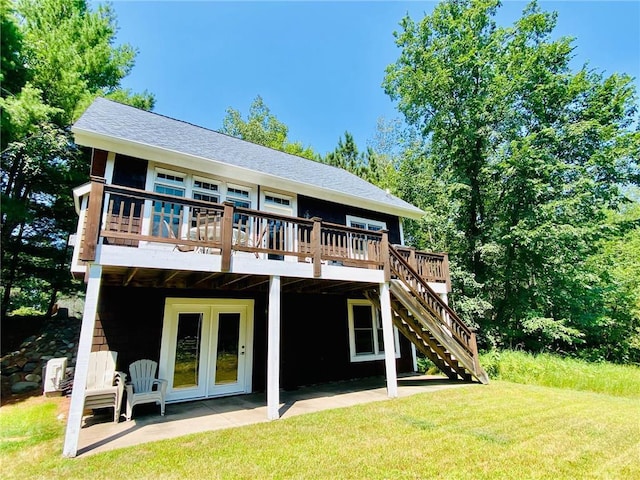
[(105, 386), (144, 386)]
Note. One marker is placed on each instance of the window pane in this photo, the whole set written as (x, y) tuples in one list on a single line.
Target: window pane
[(205, 185), (277, 200), (236, 192), (169, 178), (364, 341), (205, 197), (187, 362), (363, 329), (362, 316), (227, 354), (166, 215)]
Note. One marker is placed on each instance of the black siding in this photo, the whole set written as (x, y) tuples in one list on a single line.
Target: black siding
[(337, 213), (314, 334)]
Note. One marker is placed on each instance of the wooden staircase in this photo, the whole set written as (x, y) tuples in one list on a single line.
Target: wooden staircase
[(430, 324)]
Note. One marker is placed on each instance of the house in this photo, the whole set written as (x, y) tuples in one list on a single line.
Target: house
[(239, 268)]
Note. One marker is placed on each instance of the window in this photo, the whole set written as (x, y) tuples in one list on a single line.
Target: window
[(278, 201), (166, 214), (365, 332), (365, 224), (240, 198), (205, 191), (359, 242)]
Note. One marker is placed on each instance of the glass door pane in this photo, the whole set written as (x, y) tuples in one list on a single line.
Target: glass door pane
[(227, 348), (187, 359)]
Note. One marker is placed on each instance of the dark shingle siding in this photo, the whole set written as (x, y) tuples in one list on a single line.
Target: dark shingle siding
[(124, 122)]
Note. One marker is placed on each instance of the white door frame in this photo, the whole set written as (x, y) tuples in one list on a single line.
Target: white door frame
[(210, 307)]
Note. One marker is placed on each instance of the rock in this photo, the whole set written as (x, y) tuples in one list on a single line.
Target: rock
[(10, 370), (32, 377), (29, 367), (22, 387), (24, 368), (28, 341)]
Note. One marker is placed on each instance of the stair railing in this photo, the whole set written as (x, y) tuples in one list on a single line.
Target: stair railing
[(432, 302)]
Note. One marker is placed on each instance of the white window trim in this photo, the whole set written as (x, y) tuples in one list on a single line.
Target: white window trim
[(367, 221), (379, 355), (231, 196), (173, 173), (289, 210)]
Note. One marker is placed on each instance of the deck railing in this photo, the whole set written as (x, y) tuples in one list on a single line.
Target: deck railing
[(437, 309), (124, 216), (431, 266)]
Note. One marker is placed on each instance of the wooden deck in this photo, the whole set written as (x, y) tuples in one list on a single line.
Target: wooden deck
[(140, 221)]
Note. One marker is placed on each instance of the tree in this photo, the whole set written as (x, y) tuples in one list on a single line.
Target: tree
[(345, 155), (59, 57), (530, 154), (264, 128), (13, 73), (612, 323), (454, 107), (70, 53)]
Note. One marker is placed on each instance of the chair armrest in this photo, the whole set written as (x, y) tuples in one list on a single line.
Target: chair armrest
[(162, 383)]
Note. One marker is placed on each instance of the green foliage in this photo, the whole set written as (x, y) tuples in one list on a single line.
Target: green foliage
[(58, 56), (27, 312), (264, 128), (562, 372), (70, 52), (523, 160), (612, 325)]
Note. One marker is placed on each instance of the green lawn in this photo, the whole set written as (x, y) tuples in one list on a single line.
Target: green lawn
[(503, 430)]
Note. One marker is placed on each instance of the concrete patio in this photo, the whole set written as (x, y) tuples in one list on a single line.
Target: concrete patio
[(99, 434)]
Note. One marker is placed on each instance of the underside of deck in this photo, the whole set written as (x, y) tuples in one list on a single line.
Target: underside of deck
[(185, 279)]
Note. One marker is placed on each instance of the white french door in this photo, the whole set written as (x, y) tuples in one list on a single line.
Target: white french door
[(206, 348)]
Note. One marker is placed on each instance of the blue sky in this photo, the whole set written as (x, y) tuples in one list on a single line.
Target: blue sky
[(318, 65)]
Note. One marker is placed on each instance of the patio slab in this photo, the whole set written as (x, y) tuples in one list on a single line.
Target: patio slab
[(99, 434)]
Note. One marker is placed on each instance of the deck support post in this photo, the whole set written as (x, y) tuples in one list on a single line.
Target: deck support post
[(74, 421), (273, 350), (226, 232), (316, 246), (94, 219), (389, 343)]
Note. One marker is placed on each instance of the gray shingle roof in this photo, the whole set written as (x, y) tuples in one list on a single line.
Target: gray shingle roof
[(105, 117)]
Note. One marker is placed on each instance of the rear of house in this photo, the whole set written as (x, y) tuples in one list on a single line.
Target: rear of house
[(239, 268)]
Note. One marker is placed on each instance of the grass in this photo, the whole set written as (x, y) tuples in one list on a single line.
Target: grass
[(555, 371), (503, 430)]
